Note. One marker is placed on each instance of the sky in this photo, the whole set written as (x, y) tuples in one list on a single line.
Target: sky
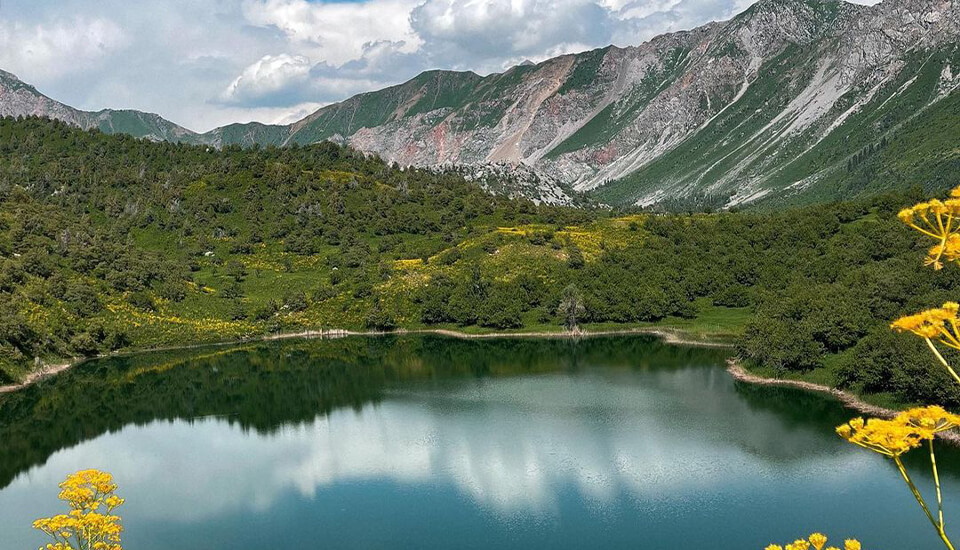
[(206, 63)]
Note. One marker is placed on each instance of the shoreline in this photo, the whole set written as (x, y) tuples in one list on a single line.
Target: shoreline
[(669, 336), (847, 399), (675, 337)]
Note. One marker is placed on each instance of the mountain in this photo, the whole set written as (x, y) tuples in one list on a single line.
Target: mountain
[(20, 99), (791, 101)]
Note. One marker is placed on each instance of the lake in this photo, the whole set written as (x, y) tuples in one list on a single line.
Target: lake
[(422, 441)]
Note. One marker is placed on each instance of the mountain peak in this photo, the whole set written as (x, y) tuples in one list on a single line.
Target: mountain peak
[(18, 98), (11, 81)]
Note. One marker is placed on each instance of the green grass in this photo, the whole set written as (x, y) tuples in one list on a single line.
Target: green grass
[(584, 72), (713, 324)]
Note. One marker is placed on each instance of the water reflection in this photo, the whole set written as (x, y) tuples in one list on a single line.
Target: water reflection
[(606, 443), (267, 385)]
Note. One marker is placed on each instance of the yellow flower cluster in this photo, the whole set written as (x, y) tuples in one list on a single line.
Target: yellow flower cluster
[(173, 326), (935, 219), (932, 418), (886, 437), (85, 527), (908, 430), (938, 323), (817, 541)]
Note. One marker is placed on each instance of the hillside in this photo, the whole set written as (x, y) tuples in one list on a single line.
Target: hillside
[(113, 243), (792, 100)]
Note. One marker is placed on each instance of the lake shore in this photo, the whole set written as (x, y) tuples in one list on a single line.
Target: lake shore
[(849, 400), (670, 336)]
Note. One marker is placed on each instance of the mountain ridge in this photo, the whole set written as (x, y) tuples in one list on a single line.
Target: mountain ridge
[(17, 98), (790, 101)]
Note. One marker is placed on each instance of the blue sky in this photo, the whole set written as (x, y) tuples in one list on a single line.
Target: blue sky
[(207, 63)]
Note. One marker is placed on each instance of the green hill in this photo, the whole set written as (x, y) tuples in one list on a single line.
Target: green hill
[(112, 243)]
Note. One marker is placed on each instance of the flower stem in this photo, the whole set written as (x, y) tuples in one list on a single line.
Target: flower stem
[(936, 480), (942, 360), (920, 501)]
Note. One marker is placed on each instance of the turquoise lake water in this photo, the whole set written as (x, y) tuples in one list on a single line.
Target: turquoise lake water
[(432, 442)]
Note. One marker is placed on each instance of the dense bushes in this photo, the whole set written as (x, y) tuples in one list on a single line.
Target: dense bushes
[(95, 229)]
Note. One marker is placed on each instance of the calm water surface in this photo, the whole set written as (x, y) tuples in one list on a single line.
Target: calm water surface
[(429, 442)]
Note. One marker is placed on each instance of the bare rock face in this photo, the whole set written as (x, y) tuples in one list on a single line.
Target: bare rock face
[(517, 180), (20, 99), (790, 101)]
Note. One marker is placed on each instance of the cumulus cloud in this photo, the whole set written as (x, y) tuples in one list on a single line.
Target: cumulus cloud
[(61, 47), (269, 80), (336, 32), (464, 32)]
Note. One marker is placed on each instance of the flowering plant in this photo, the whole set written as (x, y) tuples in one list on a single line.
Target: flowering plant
[(90, 524)]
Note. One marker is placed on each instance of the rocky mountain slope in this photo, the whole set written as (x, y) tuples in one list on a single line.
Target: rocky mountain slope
[(790, 101), (20, 99)]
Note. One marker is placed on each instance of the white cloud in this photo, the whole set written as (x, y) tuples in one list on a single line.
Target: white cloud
[(289, 115), (58, 48), (335, 33), (268, 79), (469, 32)]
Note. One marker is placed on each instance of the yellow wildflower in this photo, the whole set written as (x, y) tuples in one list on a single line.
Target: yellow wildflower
[(951, 247), (931, 418), (887, 437), (940, 323), (85, 492), (817, 540), (934, 219)]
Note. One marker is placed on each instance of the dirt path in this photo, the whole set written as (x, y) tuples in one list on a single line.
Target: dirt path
[(34, 377)]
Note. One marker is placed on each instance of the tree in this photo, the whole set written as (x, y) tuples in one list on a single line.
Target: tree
[(380, 320), (571, 307), (236, 270), (574, 257)]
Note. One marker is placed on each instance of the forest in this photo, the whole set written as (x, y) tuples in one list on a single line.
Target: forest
[(113, 243)]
